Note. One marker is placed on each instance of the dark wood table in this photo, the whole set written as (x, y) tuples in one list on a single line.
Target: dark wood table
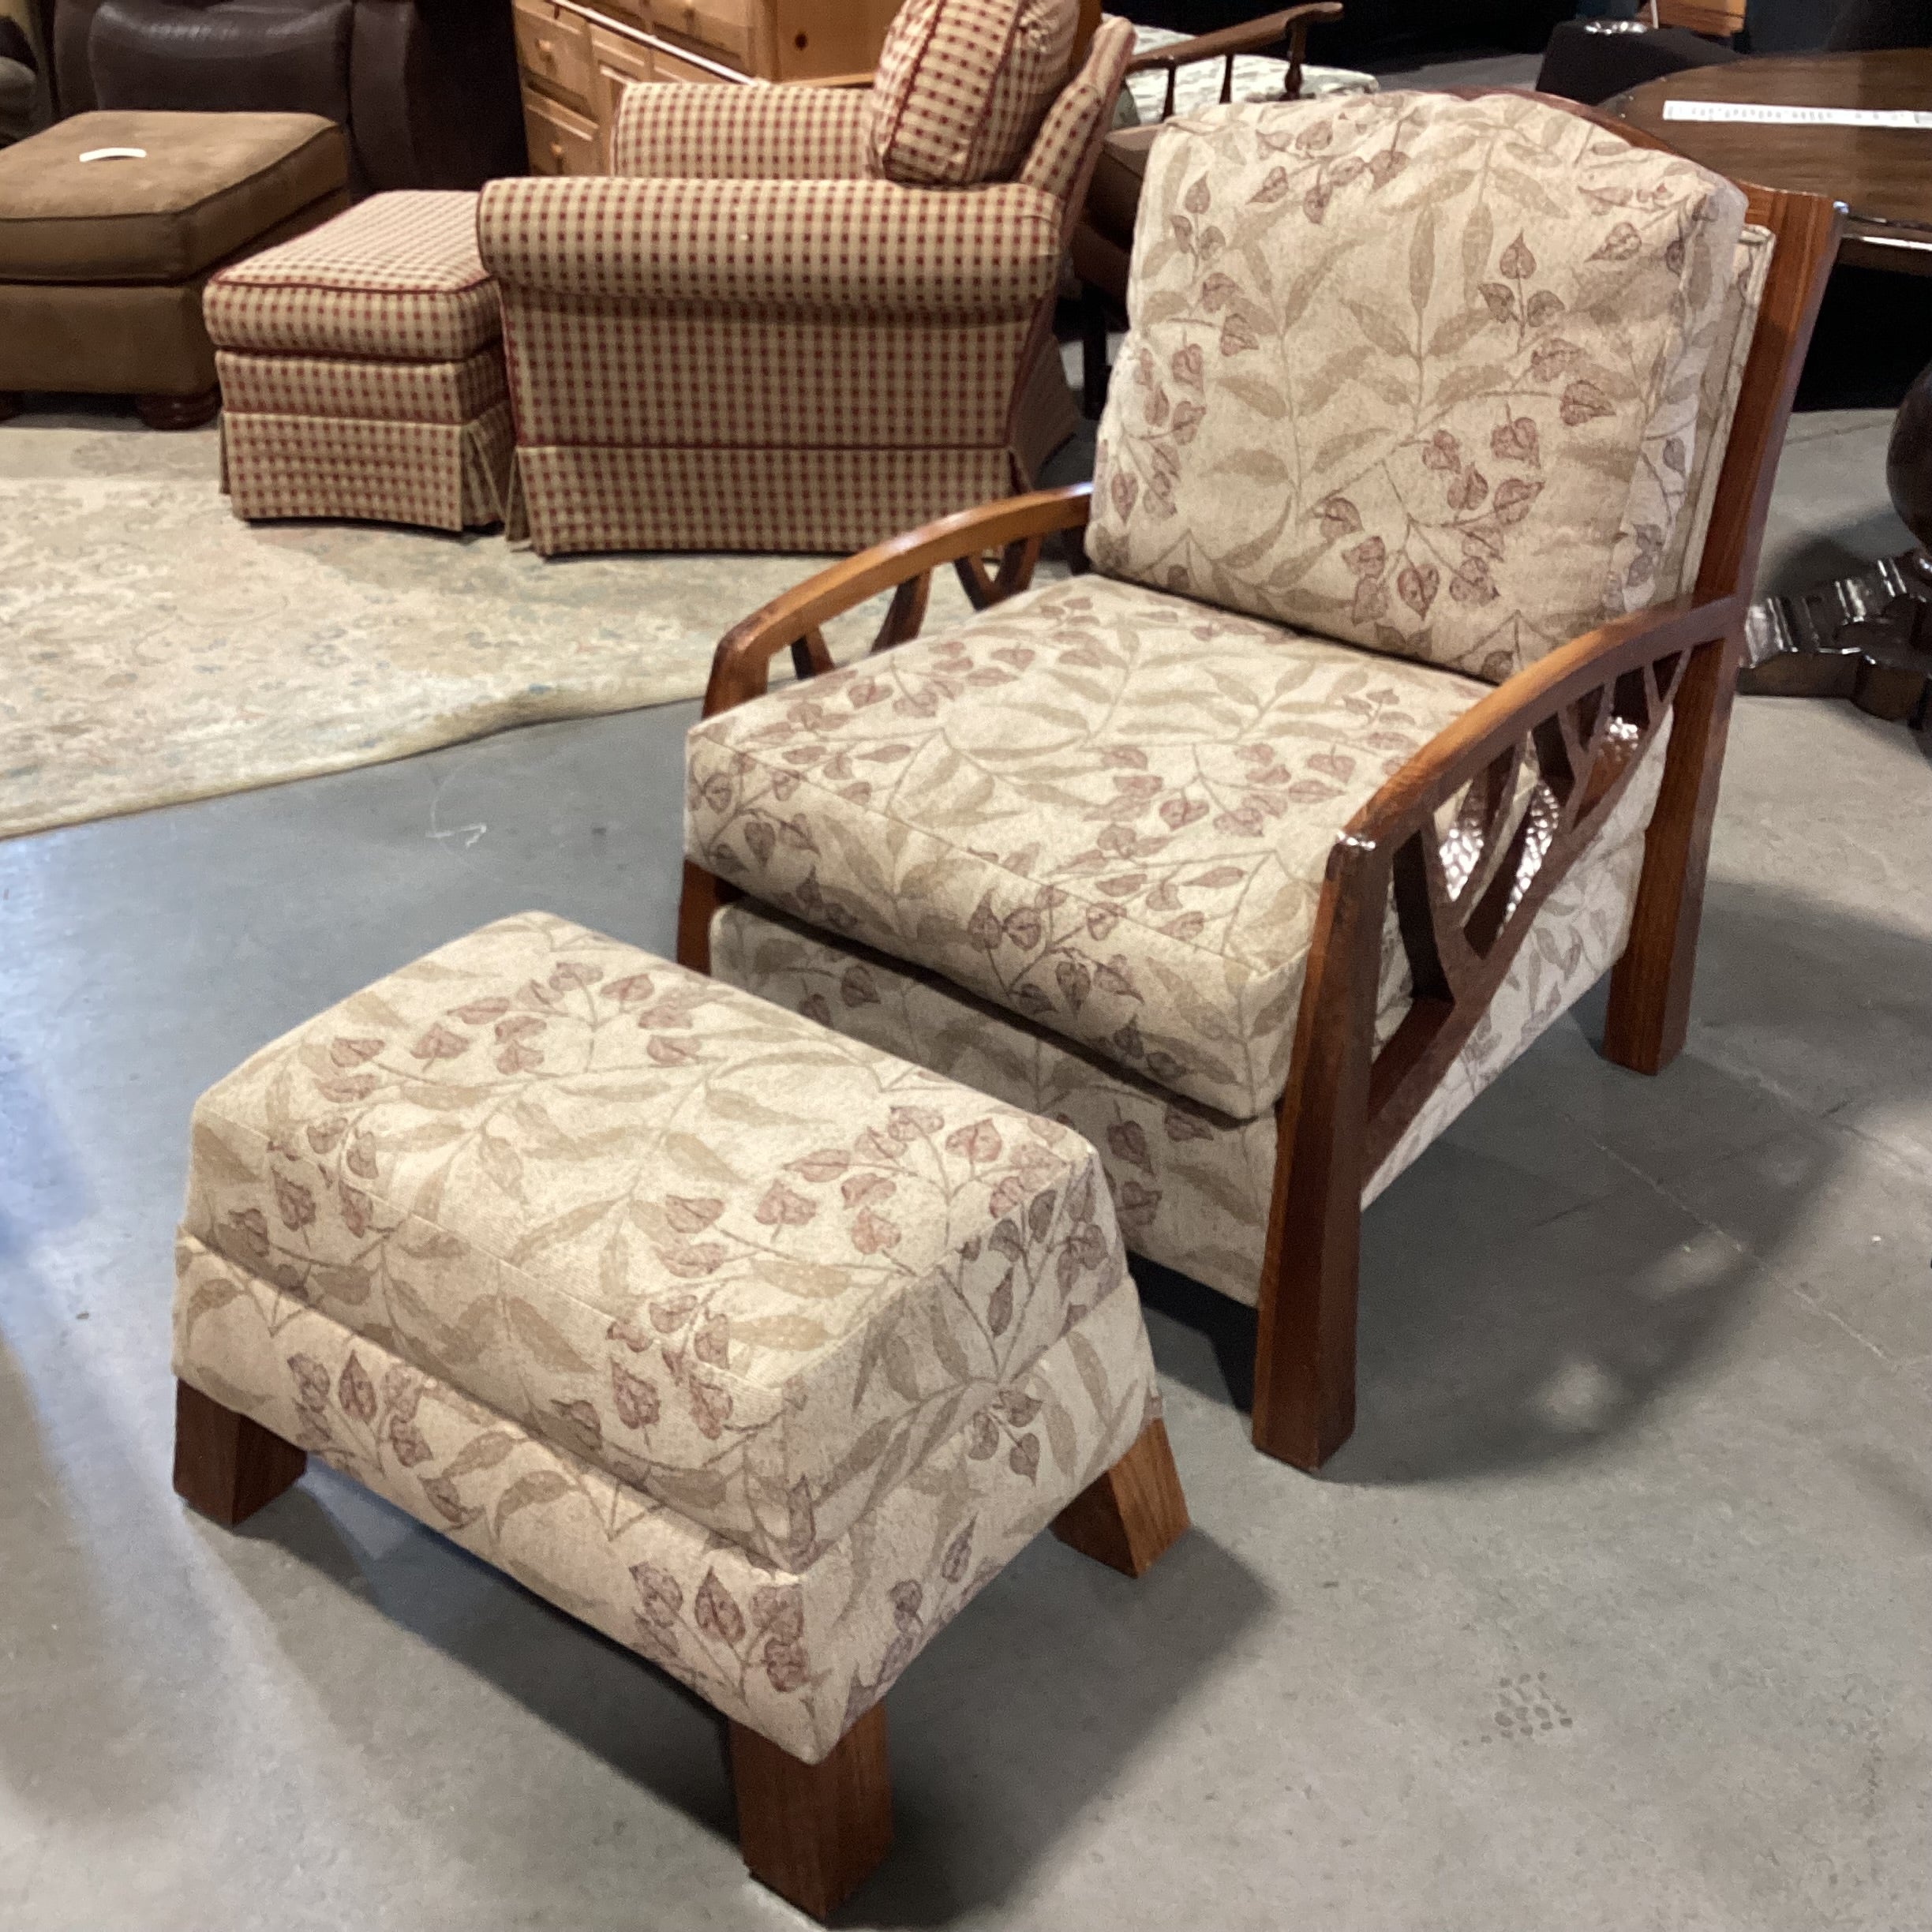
[(1867, 638), (1882, 175)]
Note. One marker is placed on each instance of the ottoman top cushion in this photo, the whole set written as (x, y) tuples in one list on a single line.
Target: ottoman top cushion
[(209, 184), (742, 1263), (396, 278)]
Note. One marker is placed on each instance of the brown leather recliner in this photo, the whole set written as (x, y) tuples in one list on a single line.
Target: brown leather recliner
[(425, 89)]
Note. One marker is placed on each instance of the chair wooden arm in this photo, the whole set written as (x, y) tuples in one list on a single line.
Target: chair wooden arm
[(1464, 905), (904, 565), (1227, 43), (1464, 908)]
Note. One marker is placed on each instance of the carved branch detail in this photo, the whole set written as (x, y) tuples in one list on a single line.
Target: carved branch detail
[(1465, 898)]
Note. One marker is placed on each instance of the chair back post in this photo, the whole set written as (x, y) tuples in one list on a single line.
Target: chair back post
[(1085, 28)]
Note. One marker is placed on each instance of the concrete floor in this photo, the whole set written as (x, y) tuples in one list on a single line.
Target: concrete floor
[(1616, 1614)]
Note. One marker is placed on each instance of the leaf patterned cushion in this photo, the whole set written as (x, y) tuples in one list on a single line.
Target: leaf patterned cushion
[(1104, 808), (1717, 410), (754, 1269), (962, 87), (1416, 373), (797, 1655), (1192, 1188)]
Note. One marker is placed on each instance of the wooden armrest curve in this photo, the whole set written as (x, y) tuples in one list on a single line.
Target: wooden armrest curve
[(904, 565), (1464, 906), (1254, 36), (1458, 753)]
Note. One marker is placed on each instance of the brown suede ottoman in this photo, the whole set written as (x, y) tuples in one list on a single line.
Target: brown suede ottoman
[(102, 262)]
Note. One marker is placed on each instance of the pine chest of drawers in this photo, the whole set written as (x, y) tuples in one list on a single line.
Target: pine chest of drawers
[(576, 59)]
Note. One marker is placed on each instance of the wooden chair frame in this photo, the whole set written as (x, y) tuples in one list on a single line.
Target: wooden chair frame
[(1589, 709), (1227, 44)]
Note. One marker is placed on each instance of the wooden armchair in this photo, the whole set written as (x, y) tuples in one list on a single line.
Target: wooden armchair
[(1259, 909), (1284, 34)]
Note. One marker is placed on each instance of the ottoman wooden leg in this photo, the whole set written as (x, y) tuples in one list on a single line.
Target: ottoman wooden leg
[(169, 412), (813, 1833), (1128, 1519), (10, 402), (224, 1466)]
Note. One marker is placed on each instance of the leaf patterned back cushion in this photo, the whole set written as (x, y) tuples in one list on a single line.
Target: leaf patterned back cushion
[(1413, 372)]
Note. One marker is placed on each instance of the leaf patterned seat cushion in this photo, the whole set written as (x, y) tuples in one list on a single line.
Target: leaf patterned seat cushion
[(754, 1270), (1192, 1187), (1417, 373), (1103, 808)]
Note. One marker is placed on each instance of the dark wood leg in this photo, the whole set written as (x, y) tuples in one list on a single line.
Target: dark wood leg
[(702, 896), (169, 412), (1094, 320), (224, 1466), (814, 1832), (1305, 1329), (1649, 1013), (12, 401), (1133, 1514)]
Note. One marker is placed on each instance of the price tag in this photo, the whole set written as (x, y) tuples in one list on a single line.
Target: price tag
[(1765, 115)]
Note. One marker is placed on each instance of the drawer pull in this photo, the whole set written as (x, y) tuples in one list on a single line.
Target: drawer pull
[(556, 150), (547, 49)]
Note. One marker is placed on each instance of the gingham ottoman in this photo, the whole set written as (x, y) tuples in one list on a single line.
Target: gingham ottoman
[(362, 373), (757, 1350)]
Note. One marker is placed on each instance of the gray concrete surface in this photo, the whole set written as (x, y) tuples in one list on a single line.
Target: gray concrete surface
[(1615, 1615)]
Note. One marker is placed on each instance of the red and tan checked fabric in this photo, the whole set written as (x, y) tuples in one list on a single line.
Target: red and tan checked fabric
[(765, 133), (1062, 159), (735, 380), (397, 279), (444, 476), (766, 499), (430, 392), (962, 85), (798, 360), (862, 249)]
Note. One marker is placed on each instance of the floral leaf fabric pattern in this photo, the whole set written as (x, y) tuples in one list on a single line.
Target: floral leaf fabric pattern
[(795, 1652), (1416, 373), (1717, 410), (746, 1266), (1191, 1185), (1102, 807)]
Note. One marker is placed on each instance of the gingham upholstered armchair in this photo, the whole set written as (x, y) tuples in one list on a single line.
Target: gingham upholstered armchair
[(1429, 495), (802, 318)]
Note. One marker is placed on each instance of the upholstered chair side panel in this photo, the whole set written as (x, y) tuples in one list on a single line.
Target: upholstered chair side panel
[(1061, 159), (1717, 403)]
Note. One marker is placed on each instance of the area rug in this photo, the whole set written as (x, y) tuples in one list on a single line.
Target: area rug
[(154, 649)]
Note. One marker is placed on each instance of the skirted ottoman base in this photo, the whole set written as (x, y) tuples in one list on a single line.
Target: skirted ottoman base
[(362, 371), (758, 1350)]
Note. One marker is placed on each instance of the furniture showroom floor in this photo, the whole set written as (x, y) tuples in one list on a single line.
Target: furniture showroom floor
[(1614, 1613)]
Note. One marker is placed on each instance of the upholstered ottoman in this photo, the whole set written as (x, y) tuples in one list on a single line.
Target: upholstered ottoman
[(110, 224), (757, 1350), (362, 371)]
